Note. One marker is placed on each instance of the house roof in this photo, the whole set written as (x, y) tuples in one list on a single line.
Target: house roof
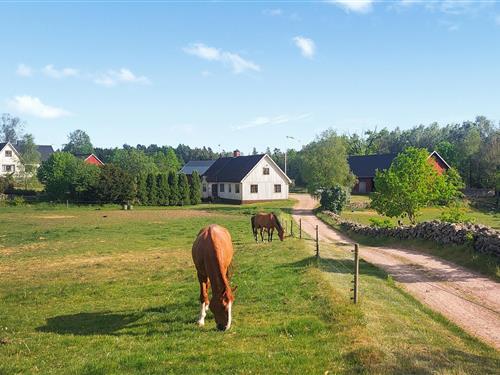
[(366, 165), (45, 151), (232, 169), (2, 145), (199, 166)]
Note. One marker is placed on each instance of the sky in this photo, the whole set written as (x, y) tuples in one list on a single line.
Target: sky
[(241, 74)]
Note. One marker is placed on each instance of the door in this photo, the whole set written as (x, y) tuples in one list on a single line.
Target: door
[(214, 191), (362, 187)]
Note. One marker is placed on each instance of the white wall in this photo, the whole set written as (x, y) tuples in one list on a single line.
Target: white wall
[(13, 160), (265, 182)]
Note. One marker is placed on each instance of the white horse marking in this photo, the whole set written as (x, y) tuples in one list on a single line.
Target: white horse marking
[(203, 313), (229, 308)]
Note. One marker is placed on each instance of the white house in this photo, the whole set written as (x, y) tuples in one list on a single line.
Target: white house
[(241, 179), (10, 158)]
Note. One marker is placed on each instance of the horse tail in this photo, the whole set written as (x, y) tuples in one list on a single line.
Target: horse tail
[(252, 220)]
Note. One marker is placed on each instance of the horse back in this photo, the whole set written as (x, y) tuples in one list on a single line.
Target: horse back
[(212, 250)]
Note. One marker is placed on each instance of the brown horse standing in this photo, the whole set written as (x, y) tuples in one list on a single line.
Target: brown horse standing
[(212, 254), (268, 222)]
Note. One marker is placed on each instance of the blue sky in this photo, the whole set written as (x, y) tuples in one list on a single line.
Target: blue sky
[(245, 74)]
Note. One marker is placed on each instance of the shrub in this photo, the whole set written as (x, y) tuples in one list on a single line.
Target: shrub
[(334, 199), (152, 189), (6, 184), (163, 189), (381, 223), (173, 183), (456, 214), (115, 185), (17, 201), (184, 190), (195, 188)]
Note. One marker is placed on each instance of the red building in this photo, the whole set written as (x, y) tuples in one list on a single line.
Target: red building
[(90, 159), (365, 166)]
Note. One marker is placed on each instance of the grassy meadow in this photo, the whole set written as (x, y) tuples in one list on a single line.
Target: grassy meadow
[(89, 290)]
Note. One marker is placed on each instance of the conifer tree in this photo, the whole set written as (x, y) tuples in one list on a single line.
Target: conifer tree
[(184, 190), (152, 190), (142, 191), (173, 184), (195, 188), (163, 189)]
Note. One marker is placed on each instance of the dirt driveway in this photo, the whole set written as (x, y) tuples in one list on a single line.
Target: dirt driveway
[(467, 299)]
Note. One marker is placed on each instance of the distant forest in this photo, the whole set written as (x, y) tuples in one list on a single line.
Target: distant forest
[(472, 147)]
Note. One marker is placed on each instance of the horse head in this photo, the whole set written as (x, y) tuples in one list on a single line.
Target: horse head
[(281, 232), (221, 307)]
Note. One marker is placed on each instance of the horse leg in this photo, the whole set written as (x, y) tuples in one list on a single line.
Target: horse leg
[(269, 235), (272, 232), (204, 302), (261, 235)]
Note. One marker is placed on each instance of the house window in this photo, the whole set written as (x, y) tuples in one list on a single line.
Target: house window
[(254, 188), (266, 170), (221, 188), (8, 153), (229, 187), (237, 188), (8, 168), (204, 188), (277, 188)]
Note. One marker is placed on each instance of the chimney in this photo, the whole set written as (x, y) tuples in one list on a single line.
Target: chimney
[(236, 153)]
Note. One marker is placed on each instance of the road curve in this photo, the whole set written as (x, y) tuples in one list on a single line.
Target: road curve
[(469, 300)]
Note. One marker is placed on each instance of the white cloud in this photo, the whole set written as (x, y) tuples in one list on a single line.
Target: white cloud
[(237, 63), (33, 106), (24, 70), (272, 12), (307, 46), (123, 75), (358, 6), (51, 71), (276, 120)]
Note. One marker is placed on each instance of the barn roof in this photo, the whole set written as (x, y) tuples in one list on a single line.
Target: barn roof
[(199, 166), (366, 165), (232, 169), (45, 151)]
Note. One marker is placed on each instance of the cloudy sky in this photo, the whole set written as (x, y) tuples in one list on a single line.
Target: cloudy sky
[(241, 74)]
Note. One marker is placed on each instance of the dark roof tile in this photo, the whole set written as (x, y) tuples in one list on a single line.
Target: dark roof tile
[(366, 165)]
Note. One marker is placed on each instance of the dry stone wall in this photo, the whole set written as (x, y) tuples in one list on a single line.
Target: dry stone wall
[(482, 238)]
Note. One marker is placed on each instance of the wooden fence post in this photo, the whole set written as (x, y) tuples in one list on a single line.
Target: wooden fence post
[(291, 227), (300, 228), (317, 243), (356, 273)]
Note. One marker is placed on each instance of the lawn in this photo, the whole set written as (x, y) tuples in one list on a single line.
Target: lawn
[(363, 216), (89, 290)]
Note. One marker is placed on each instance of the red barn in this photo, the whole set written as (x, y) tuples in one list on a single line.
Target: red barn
[(365, 166), (90, 159)]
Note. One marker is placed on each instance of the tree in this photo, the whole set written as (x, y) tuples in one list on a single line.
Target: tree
[(67, 177), (410, 183), (79, 143), (11, 129), (134, 162), (30, 157), (116, 185), (6, 184), (324, 163), (142, 190), (334, 199), (195, 188), (167, 161), (163, 189), (152, 189), (185, 195), (173, 182)]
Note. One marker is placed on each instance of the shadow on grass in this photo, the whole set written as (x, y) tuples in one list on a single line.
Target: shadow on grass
[(153, 320)]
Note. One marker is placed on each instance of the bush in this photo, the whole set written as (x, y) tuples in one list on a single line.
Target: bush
[(185, 196), (381, 223), (115, 185), (6, 184), (17, 201), (334, 199), (456, 214), (195, 188)]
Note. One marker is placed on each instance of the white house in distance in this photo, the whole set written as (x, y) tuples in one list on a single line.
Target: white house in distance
[(240, 179), (10, 158)]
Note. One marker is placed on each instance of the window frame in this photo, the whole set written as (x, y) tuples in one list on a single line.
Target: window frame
[(237, 188), (276, 190), (221, 188), (229, 188), (8, 153), (256, 186), (266, 169)]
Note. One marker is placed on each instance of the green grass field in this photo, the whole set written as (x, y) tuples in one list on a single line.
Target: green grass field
[(99, 291), (363, 216)]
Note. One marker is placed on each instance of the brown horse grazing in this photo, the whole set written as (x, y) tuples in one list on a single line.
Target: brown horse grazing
[(268, 222), (212, 254)]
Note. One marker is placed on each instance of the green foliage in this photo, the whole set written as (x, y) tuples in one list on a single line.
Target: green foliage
[(16, 201), (381, 223), (448, 187), (78, 143), (163, 189), (334, 199), (11, 128), (67, 177), (134, 162), (410, 184), (152, 189), (184, 192), (6, 184), (174, 198), (456, 213), (195, 188), (116, 185), (325, 163), (142, 189), (168, 161), (30, 157)]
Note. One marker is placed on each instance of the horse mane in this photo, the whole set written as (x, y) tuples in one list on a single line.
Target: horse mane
[(278, 224)]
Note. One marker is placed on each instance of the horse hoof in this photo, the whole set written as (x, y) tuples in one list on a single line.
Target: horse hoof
[(200, 323)]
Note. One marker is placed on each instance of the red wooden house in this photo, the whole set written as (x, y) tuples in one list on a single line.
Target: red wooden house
[(365, 166), (90, 159)]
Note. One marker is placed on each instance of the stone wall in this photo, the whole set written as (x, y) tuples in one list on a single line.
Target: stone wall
[(482, 238)]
